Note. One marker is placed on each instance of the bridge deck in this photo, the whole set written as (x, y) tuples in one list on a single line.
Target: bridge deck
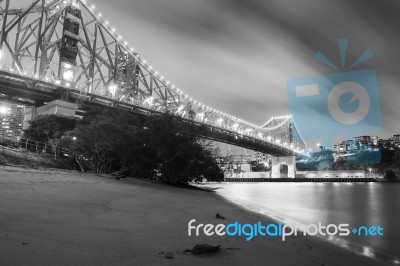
[(30, 91)]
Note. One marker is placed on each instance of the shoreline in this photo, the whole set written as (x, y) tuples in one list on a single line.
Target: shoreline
[(64, 217), (355, 248)]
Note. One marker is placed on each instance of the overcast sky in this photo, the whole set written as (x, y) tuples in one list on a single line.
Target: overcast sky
[(236, 55)]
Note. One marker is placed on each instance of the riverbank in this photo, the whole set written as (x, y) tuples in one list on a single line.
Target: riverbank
[(56, 217), (15, 156)]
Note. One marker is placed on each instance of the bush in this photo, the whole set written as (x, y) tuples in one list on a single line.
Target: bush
[(161, 147), (390, 175)]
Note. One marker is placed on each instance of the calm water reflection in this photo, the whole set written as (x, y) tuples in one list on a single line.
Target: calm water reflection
[(354, 203)]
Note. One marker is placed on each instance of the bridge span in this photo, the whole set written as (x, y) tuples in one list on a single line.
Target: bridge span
[(65, 50)]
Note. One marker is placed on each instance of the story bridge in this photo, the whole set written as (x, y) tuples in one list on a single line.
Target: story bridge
[(65, 50)]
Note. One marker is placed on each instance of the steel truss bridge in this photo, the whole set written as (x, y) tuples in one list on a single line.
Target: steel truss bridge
[(64, 49)]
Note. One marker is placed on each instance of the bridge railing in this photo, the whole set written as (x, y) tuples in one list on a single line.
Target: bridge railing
[(34, 146)]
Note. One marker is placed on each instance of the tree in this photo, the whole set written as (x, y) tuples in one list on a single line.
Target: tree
[(159, 147), (46, 127), (181, 156), (109, 142), (322, 159), (387, 160), (390, 175)]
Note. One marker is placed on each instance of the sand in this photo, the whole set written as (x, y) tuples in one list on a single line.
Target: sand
[(55, 217)]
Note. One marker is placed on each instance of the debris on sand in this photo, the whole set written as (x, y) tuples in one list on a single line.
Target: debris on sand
[(219, 216), (203, 248), (169, 255)]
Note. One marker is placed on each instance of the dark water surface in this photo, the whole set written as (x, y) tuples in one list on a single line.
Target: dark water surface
[(356, 204)]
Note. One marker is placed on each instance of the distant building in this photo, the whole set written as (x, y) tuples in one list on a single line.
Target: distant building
[(261, 157), (366, 140), (386, 143), (351, 145), (12, 118), (342, 147), (396, 140)]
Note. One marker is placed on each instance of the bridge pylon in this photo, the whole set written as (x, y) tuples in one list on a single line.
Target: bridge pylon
[(278, 162)]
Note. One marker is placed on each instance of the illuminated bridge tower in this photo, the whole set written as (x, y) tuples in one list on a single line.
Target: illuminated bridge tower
[(69, 43), (282, 130)]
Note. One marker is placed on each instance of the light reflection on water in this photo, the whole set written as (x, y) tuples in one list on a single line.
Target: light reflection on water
[(356, 204)]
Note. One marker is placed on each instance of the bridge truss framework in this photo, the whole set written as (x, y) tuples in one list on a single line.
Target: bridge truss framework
[(65, 46)]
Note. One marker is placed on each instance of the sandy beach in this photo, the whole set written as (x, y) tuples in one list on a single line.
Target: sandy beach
[(55, 217)]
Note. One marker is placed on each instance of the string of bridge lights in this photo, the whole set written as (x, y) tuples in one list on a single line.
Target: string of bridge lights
[(112, 31)]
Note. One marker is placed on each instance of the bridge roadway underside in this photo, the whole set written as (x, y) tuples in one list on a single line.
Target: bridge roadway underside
[(29, 91)]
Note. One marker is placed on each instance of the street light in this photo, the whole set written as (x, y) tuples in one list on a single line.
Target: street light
[(73, 138), (4, 110)]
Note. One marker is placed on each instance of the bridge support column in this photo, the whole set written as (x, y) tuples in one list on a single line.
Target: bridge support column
[(290, 161), (56, 107)]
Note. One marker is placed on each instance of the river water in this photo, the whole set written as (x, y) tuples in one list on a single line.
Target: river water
[(356, 204)]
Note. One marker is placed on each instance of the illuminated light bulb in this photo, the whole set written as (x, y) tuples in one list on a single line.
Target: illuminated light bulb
[(113, 29), (113, 89), (99, 15), (107, 22), (93, 6), (68, 75)]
